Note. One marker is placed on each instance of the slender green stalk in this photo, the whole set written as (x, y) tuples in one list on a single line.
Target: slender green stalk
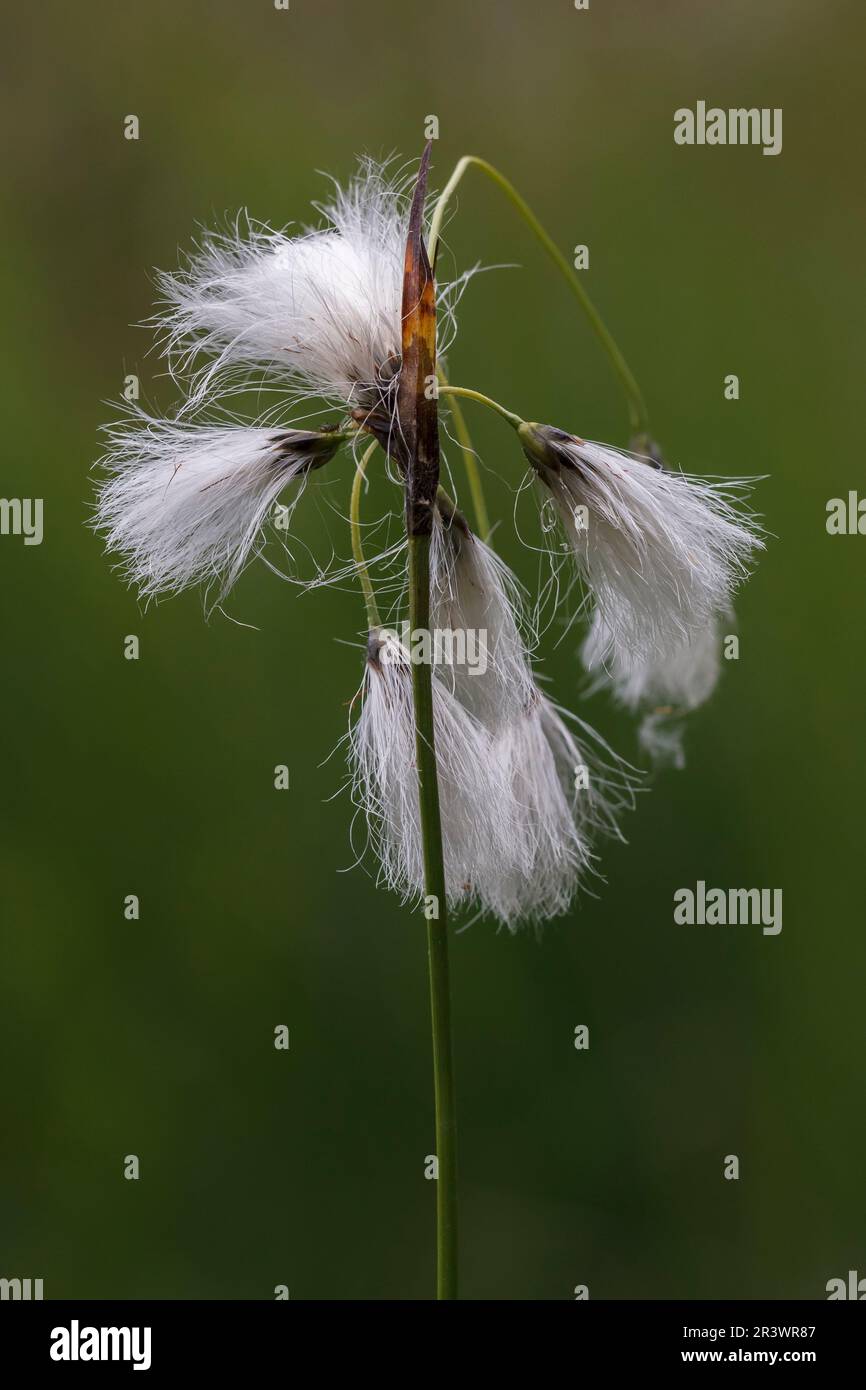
[(436, 906), (636, 405), (468, 394), (437, 928), (357, 543), (470, 462)]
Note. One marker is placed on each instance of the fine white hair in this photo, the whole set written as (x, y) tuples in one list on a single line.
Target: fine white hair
[(477, 809), (661, 552), (185, 504), (559, 794), (662, 688), (321, 308), (474, 592), (685, 678), (565, 797), (520, 805)]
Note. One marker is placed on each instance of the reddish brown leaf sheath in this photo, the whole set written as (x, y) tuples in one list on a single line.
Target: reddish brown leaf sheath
[(417, 410)]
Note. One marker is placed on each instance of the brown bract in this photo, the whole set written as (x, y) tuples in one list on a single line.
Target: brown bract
[(417, 410)]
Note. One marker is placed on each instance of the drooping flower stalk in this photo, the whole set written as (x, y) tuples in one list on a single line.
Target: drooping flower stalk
[(638, 415), (357, 544), (469, 394), (470, 462)]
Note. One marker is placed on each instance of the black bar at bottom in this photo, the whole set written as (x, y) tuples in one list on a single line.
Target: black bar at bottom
[(82, 1338)]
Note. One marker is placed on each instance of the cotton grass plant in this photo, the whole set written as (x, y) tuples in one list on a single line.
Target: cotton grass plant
[(479, 792)]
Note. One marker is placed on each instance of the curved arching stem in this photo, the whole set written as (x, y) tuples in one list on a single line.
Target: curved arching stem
[(636, 405), (357, 542)]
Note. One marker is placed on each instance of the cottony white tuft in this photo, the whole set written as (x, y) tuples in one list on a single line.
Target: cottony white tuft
[(560, 796), (661, 552), (473, 591), (519, 808), (685, 679), (552, 850), (477, 808), (323, 307), (665, 689), (566, 797), (185, 504)]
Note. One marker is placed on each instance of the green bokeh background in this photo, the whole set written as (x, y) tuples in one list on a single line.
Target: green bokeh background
[(156, 777)]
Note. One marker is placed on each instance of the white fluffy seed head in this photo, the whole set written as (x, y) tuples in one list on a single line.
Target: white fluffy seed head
[(321, 308), (185, 504), (523, 795), (661, 552), (661, 735), (567, 796), (519, 806), (664, 689), (475, 802), (684, 679), (551, 849), (473, 592), (560, 797)]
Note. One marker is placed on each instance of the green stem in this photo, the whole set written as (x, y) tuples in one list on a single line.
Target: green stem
[(357, 543), (636, 404), (470, 395), (437, 927), (470, 462)]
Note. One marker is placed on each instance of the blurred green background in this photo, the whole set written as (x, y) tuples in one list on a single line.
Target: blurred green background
[(156, 777)]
